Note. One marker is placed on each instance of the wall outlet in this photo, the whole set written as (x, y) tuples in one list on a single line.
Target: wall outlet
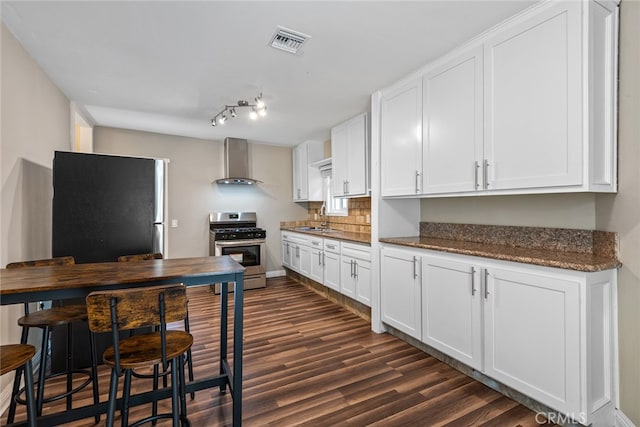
[(174, 223), (367, 219), (315, 216)]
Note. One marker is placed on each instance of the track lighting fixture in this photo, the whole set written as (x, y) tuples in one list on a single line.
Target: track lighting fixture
[(259, 109)]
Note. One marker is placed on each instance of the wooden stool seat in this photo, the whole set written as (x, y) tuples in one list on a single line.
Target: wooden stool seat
[(143, 350), (14, 356), (17, 357), (55, 316)]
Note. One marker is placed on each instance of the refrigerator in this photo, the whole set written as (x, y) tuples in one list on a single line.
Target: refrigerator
[(104, 206)]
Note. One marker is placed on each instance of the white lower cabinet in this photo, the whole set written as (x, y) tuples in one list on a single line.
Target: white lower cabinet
[(355, 280), (342, 266), (452, 308), (332, 264), (400, 290), (286, 251), (546, 332), (532, 335), (316, 269)]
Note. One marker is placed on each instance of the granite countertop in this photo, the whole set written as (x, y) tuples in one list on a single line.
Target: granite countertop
[(596, 256), (350, 236)]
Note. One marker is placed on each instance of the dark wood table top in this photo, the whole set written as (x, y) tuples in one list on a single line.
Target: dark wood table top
[(69, 281)]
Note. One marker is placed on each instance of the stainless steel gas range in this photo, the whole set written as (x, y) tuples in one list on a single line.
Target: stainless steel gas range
[(236, 234)]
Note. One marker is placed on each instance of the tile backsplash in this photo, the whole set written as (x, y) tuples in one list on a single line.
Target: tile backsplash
[(358, 220)]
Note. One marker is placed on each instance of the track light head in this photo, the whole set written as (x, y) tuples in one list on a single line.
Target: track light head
[(259, 109)]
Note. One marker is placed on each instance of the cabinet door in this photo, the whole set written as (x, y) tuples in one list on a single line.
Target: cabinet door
[(533, 100), (286, 254), (347, 278), (300, 176), (305, 260), (400, 290), (401, 140), (363, 282), (316, 269), (357, 149), (339, 159), (452, 125), (451, 309), (532, 336), (295, 257), (332, 270)]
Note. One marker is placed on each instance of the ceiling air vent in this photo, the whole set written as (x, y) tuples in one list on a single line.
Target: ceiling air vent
[(288, 40)]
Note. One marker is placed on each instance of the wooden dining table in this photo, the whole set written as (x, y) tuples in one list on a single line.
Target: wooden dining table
[(73, 281)]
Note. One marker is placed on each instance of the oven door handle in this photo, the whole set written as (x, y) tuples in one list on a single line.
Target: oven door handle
[(227, 243)]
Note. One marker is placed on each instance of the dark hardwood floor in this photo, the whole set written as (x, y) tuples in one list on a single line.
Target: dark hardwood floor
[(309, 362)]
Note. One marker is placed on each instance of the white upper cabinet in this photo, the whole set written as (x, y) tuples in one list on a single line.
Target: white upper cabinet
[(401, 139), (533, 101), (350, 157), (307, 182), (452, 124), (528, 107)]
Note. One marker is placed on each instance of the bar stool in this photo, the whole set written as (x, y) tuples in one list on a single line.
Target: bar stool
[(127, 309), (14, 357), (47, 320), (151, 256)]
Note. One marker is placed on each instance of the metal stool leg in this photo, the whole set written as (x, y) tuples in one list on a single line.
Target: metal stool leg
[(68, 365), (175, 402), (113, 388), (126, 393), (43, 368), (94, 372), (28, 385), (16, 381)]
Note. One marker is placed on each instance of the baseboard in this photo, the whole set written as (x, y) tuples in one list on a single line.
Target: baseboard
[(276, 273), (622, 420)]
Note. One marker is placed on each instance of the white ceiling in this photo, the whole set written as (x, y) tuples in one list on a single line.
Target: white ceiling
[(170, 66)]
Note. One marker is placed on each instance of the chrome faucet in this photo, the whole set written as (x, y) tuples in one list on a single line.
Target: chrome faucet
[(323, 214)]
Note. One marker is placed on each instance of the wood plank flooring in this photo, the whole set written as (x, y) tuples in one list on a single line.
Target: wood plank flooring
[(309, 362)]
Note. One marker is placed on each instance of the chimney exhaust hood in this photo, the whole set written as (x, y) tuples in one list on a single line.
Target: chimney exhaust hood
[(236, 163)]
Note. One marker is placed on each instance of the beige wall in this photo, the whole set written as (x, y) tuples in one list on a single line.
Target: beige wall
[(621, 212), (617, 212), (34, 123), (194, 165)]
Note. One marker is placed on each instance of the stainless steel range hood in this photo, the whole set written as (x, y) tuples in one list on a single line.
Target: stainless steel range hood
[(236, 163)]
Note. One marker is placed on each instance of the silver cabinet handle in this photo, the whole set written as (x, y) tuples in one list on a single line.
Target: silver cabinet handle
[(331, 246), (347, 191), (315, 243), (417, 181), (473, 281), (351, 262), (287, 245), (323, 259), (319, 258), (297, 251), (476, 166), (415, 273), (486, 173), (486, 283), (355, 269)]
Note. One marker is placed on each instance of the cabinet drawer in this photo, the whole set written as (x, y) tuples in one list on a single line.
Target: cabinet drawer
[(316, 242), (331, 245), (353, 250)]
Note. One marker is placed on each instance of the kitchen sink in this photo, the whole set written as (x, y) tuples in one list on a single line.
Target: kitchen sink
[(318, 229)]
